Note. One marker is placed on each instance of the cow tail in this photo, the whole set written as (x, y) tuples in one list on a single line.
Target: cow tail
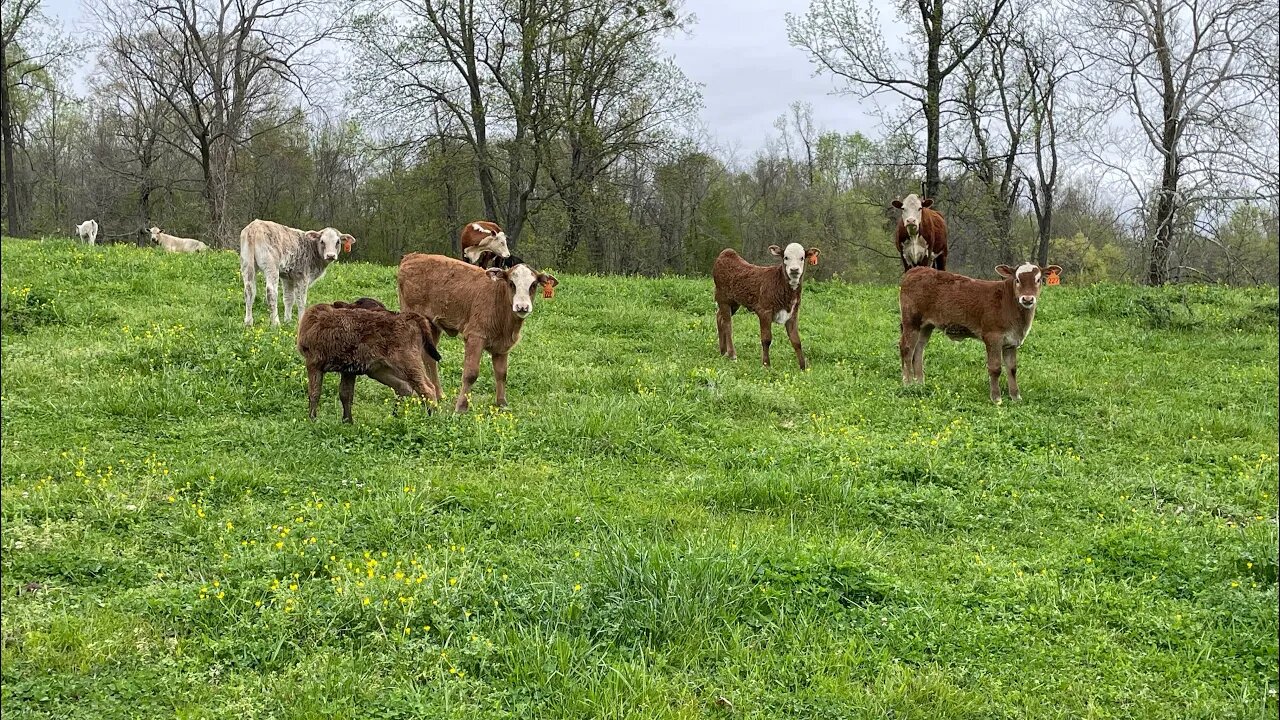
[(427, 345)]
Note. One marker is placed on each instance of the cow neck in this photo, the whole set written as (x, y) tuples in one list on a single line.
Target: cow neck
[(1010, 300), (504, 320), (790, 297)]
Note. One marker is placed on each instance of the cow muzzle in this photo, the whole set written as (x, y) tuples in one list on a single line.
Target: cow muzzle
[(522, 311), (1027, 301), (330, 258)]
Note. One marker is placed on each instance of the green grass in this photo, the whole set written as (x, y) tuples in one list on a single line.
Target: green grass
[(650, 528)]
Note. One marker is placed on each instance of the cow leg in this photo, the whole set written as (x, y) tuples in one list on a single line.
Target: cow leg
[(300, 288), (272, 285), (993, 366), (766, 337), (910, 335), (917, 359), (249, 275), (500, 380), (315, 381), (724, 329), (940, 262), (287, 292), (397, 381), (793, 334), (433, 367), (1011, 366), (470, 371), (347, 393)]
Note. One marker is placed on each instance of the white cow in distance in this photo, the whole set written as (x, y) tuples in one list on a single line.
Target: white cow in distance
[(88, 231), (176, 244)]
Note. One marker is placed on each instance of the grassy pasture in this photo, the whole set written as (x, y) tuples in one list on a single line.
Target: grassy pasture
[(650, 531)]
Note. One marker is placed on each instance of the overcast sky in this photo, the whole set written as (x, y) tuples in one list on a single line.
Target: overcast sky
[(737, 50)]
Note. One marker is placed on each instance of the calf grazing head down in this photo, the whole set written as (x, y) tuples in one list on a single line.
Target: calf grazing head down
[(1027, 279), (329, 242), (793, 258), (522, 280), (911, 206), (364, 303)]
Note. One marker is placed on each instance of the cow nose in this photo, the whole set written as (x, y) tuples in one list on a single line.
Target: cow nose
[(327, 256), (1027, 301), (523, 310)]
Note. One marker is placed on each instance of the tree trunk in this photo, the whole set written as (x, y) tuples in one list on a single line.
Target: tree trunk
[(1045, 227), (933, 100), (13, 208)]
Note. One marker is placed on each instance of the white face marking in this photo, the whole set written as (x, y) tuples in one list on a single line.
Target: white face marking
[(496, 244), (793, 264), (330, 242), (781, 317), (911, 214), (917, 252), (523, 278), (478, 227)]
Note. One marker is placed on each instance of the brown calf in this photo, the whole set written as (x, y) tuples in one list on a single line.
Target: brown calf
[(772, 293), (997, 312), (347, 338), (481, 239), (921, 237), (486, 307)]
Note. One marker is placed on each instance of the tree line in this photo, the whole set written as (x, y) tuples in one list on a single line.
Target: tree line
[(1121, 139)]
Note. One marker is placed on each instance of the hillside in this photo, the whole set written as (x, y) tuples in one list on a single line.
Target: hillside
[(650, 530)]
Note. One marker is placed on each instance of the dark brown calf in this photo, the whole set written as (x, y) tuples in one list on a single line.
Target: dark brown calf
[(921, 236), (997, 312), (772, 293), (486, 307), (392, 348)]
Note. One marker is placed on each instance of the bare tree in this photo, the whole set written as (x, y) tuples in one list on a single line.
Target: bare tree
[(219, 65), (1049, 64), (29, 47), (843, 37), (1191, 74)]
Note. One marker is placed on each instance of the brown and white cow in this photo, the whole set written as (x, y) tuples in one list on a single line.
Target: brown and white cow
[(921, 235), (486, 307), (483, 241), (772, 292), (997, 312)]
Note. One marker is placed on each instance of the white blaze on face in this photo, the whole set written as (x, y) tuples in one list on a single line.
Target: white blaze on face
[(793, 263), (911, 211), (330, 242), (1026, 281), (524, 280)]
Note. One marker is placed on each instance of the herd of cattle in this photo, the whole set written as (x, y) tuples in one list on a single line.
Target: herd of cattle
[(486, 296)]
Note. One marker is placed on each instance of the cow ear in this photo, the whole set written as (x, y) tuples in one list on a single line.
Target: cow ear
[(546, 279), (313, 234), (1052, 270), (495, 272), (775, 250), (896, 203), (928, 202), (1004, 271), (812, 255), (347, 242)]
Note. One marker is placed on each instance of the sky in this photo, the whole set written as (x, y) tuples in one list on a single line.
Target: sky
[(737, 50)]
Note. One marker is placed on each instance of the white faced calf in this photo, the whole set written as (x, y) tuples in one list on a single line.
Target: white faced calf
[(997, 312)]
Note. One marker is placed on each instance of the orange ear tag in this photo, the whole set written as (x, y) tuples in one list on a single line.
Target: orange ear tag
[(548, 290), (813, 259), (346, 246), (1053, 279)]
